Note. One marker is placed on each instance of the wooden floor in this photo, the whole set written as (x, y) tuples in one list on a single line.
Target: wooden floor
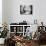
[(42, 45), (1, 45), (32, 45)]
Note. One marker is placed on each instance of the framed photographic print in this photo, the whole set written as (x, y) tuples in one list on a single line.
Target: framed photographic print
[(26, 9)]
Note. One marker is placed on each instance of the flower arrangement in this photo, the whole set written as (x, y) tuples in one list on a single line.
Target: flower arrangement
[(3, 34)]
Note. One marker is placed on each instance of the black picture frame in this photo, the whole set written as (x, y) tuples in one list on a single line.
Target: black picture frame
[(26, 9)]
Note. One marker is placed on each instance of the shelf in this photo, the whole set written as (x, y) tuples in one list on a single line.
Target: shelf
[(22, 28), (19, 32), (12, 32), (16, 32), (19, 25)]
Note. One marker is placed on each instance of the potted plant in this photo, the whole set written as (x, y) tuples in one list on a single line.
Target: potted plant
[(3, 34)]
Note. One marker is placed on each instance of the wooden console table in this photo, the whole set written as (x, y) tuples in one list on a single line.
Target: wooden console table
[(14, 28)]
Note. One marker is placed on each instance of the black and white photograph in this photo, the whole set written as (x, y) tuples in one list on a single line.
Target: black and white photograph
[(26, 9)]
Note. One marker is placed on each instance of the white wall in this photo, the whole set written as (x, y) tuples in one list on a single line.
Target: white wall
[(12, 11), (0, 13), (4, 11), (16, 10)]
